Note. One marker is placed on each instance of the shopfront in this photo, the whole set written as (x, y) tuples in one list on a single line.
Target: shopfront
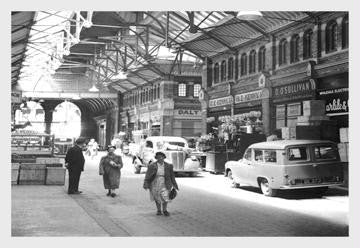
[(187, 122), (248, 111), (287, 101), (219, 110)]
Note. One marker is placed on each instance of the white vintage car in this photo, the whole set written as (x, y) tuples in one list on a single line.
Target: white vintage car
[(288, 164), (176, 150)]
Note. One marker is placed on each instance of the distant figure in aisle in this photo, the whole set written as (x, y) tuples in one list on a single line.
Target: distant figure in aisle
[(92, 149), (74, 162), (160, 179), (109, 167)]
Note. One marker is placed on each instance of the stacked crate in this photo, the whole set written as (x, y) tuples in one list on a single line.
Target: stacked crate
[(32, 173), (343, 147), (55, 172), (15, 167)]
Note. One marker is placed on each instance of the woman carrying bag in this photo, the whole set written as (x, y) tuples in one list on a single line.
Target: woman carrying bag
[(109, 167), (160, 180)]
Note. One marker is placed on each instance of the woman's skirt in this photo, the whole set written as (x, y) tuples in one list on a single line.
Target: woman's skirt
[(158, 191)]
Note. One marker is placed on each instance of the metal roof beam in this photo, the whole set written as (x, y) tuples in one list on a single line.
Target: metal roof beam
[(205, 32)]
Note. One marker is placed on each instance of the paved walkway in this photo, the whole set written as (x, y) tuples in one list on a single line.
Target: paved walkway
[(206, 206)]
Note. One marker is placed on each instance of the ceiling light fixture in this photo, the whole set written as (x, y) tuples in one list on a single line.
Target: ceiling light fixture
[(93, 89), (249, 15)]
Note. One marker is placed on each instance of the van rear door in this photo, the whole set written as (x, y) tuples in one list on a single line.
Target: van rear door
[(313, 166)]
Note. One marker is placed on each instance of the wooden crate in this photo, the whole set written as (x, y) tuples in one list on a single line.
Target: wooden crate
[(32, 174), (15, 173), (55, 176)]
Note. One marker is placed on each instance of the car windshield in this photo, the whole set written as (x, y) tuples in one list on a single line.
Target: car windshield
[(326, 152), (169, 145)]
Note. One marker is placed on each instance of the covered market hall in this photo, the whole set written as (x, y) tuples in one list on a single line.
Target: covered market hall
[(243, 116)]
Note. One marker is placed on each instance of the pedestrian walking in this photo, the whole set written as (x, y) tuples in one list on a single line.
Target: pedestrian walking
[(110, 168), (74, 162), (160, 179)]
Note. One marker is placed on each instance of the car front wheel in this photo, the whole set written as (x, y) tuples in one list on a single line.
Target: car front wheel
[(266, 189)]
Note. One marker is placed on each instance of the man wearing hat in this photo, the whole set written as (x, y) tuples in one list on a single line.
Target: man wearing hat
[(74, 162), (160, 179)]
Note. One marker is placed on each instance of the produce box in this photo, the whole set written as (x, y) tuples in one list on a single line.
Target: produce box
[(55, 176), (32, 174)]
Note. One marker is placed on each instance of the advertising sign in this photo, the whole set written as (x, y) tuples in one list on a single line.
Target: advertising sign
[(336, 100), (221, 101)]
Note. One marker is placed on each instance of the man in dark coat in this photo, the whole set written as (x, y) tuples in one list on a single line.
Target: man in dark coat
[(74, 162)]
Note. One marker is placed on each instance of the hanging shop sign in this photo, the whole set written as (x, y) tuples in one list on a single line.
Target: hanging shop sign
[(187, 112), (336, 100), (248, 96), (294, 91), (221, 101)]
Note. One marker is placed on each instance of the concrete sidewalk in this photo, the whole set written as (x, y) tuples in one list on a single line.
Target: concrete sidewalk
[(40, 210)]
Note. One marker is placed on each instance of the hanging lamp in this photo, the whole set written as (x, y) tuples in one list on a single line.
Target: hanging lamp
[(249, 15)]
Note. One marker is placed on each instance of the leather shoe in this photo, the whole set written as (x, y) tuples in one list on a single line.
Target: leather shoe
[(77, 192), (158, 212), (113, 194), (166, 213)]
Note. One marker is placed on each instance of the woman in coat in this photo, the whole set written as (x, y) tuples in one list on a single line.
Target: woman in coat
[(109, 168), (160, 179)]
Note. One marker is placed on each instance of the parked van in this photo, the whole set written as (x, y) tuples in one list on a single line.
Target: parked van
[(176, 150), (288, 164)]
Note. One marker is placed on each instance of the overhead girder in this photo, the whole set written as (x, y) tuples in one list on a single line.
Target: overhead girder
[(205, 32)]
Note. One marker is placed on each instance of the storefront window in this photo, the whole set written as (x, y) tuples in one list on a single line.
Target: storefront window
[(294, 48), (331, 36), (252, 61), (243, 64), (197, 88), (307, 50), (182, 89), (282, 51), (345, 32), (262, 51)]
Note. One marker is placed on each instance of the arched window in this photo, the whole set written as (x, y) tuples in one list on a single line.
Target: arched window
[(331, 36), (197, 88), (252, 61), (182, 89), (33, 112), (294, 48), (216, 73), (231, 68), (223, 70), (66, 121), (243, 64), (262, 51), (151, 94), (307, 48), (158, 91), (345, 32), (282, 51), (146, 95)]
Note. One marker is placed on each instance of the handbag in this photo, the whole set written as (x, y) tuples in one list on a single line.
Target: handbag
[(172, 194)]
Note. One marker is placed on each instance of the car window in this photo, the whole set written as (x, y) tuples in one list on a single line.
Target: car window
[(297, 153), (325, 152), (270, 156), (259, 156), (247, 154)]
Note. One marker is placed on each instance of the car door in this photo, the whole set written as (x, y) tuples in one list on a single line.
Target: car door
[(240, 172), (255, 166)]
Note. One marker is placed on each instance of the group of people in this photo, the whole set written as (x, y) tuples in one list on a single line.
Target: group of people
[(159, 177)]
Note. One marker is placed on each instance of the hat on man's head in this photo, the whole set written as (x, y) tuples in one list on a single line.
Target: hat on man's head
[(80, 141), (111, 146), (160, 154)]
